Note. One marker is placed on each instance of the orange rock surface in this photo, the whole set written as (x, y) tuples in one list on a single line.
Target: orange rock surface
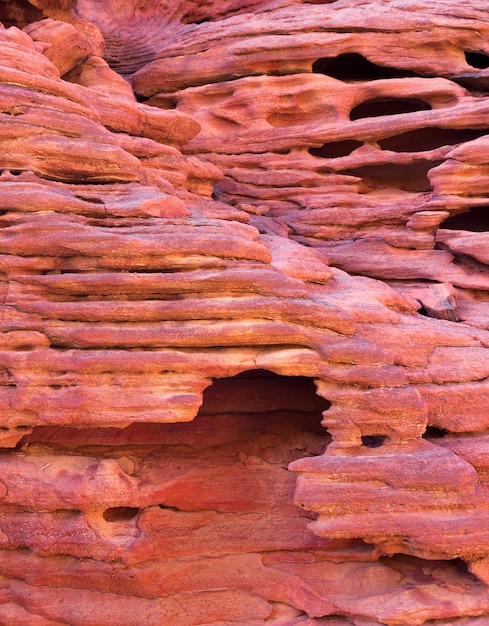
[(244, 281)]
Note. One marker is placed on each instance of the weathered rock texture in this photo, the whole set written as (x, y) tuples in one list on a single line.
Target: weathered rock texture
[(244, 326)]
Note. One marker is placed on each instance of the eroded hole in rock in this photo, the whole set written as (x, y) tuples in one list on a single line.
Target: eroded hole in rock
[(475, 219), (434, 572), (373, 441), (388, 106), (19, 13), (90, 199), (120, 514), (336, 149), (408, 177), (445, 312), (227, 468), (352, 66), (175, 509), (430, 138), (433, 432), (479, 60), (262, 391)]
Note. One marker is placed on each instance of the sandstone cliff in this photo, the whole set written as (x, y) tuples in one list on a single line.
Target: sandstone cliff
[(244, 281)]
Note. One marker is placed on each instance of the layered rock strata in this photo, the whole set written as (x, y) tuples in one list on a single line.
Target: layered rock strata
[(244, 282)]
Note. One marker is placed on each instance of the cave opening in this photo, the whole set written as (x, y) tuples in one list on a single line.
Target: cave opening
[(377, 107), (351, 66), (19, 13), (230, 463), (476, 219), (120, 513), (430, 138), (433, 572), (373, 441), (248, 430), (479, 60), (433, 432), (412, 177), (336, 149), (264, 392)]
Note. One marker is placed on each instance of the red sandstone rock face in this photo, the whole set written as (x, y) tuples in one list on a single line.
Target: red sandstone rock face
[(243, 271)]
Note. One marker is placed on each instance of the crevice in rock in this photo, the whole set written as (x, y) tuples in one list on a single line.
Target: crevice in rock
[(19, 13), (247, 431), (262, 391), (442, 573), (352, 66), (166, 507), (163, 101), (120, 513), (374, 441), (336, 149), (430, 138), (433, 432), (377, 107), (408, 177), (476, 220), (447, 313), (479, 60)]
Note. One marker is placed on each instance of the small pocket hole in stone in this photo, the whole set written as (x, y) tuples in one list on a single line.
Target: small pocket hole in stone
[(373, 441), (120, 513), (478, 60)]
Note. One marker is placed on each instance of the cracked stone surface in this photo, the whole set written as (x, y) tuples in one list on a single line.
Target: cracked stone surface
[(244, 288)]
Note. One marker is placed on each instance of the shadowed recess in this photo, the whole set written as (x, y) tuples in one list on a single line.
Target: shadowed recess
[(120, 513), (232, 459), (262, 391), (201, 12), (430, 138), (388, 106), (478, 60), (352, 66), (336, 149), (408, 177), (19, 13), (373, 441), (434, 573), (475, 219), (433, 432)]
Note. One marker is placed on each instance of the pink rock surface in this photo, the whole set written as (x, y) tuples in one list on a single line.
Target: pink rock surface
[(244, 313)]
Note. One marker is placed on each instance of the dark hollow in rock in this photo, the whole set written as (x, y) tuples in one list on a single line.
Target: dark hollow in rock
[(433, 432), (475, 219), (336, 149), (231, 459), (120, 513), (477, 59), (430, 138), (429, 572), (261, 391), (19, 13), (373, 441), (352, 66), (388, 106), (408, 177), (446, 313)]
